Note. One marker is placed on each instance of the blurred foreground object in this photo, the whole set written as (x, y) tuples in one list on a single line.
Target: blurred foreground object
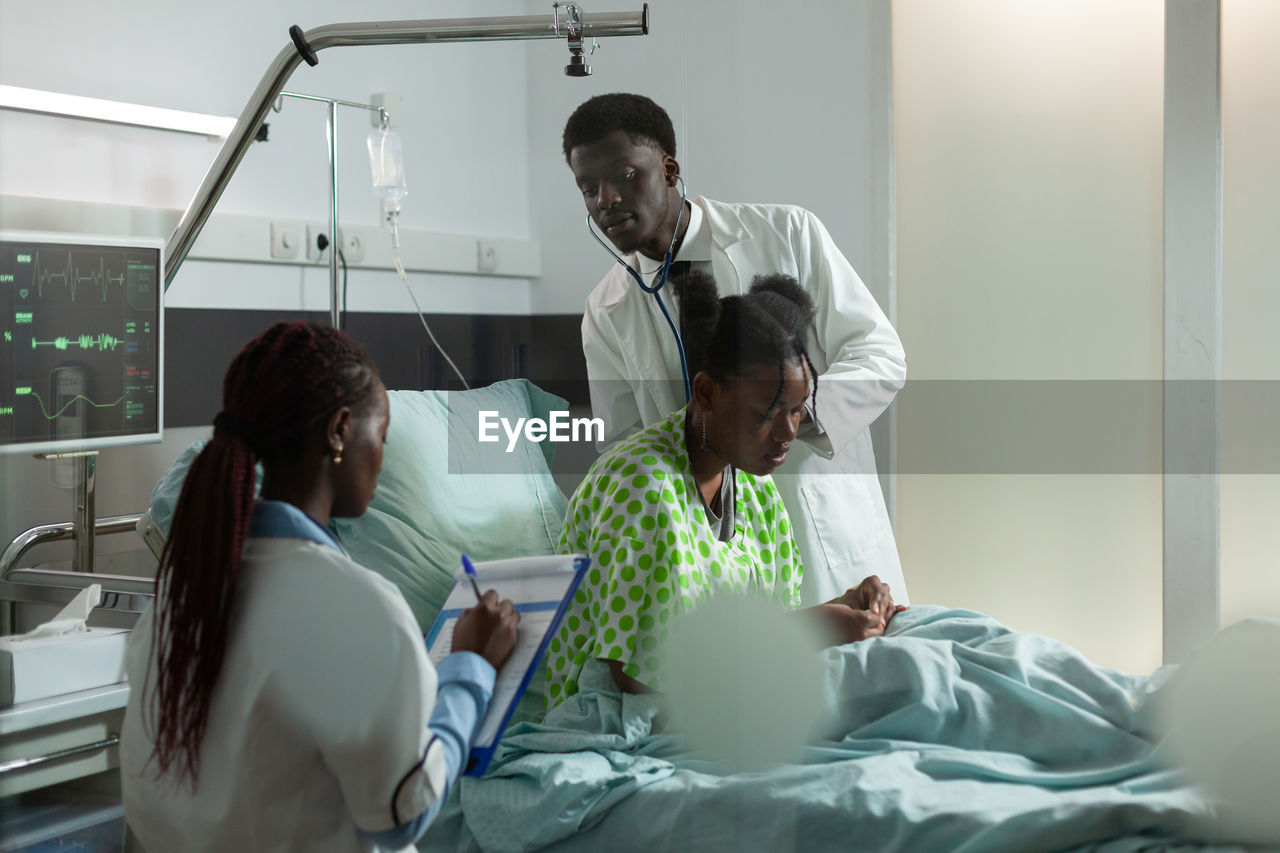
[(1222, 720), (745, 682)]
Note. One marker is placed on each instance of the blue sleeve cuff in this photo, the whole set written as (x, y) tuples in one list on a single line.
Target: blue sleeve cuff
[(467, 667), (464, 686)]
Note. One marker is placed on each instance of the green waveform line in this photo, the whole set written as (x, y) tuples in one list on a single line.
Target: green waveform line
[(72, 277), (103, 341), (50, 417)]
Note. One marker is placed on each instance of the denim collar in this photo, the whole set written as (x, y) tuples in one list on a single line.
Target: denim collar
[(280, 520)]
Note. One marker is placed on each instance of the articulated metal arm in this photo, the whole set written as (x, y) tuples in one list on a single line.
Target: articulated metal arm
[(375, 32)]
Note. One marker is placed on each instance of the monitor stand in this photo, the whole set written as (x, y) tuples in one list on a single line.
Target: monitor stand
[(83, 517)]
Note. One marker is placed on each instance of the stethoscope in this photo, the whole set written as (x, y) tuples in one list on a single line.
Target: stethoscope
[(662, 280)]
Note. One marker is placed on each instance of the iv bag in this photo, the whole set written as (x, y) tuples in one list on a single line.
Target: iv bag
[(386, 159)]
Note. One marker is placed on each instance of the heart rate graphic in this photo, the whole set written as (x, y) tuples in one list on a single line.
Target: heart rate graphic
[(75, 278)]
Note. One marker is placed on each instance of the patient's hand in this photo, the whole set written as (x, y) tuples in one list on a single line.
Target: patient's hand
[(626, 683), (845, 624), (873, 595)]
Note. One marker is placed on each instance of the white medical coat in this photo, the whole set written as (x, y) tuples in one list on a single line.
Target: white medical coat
[(318, 724), (828, 483)]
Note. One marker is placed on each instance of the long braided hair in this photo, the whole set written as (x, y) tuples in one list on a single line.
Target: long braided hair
[(725, 336), (278, 389)]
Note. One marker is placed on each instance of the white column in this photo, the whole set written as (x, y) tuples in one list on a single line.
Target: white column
[(1192, 322), (882, 271)]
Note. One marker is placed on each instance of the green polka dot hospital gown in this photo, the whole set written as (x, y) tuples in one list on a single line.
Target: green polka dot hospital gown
[(655, 554)]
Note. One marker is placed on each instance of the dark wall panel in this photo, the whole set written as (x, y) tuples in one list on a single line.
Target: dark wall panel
[(547, 349)]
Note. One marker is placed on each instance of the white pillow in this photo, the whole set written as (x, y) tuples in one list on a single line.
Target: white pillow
[(442, 493)]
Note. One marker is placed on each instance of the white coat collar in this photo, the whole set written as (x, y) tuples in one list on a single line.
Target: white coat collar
[(696, 246), (726, 228)]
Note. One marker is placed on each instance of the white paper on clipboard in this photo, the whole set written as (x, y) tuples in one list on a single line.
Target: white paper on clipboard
[(541, 589)]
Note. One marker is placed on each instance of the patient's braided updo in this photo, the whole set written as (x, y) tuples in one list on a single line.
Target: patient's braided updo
[(281, 387), (726, 336)]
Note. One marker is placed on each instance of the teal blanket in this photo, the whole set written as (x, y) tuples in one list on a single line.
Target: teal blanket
[(950, 733)]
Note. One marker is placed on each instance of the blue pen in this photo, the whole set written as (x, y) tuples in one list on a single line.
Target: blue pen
[(471, 572)]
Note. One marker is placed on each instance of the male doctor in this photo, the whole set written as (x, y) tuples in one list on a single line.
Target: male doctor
[(621, 149)]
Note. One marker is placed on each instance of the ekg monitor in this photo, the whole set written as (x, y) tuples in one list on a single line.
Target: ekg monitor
[(82, 352)]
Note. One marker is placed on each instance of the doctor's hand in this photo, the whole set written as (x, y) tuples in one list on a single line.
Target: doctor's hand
[(488, 629), (872, 595)]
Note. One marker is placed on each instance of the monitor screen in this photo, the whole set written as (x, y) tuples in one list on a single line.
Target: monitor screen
[(82, 353)]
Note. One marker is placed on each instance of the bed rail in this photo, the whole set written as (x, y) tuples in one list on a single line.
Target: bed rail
[(64, 530), (25, 763), (123, 593)]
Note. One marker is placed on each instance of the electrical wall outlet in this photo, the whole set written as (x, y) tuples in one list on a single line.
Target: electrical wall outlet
[(351, 242), (486, 256), (352, 246), (286, 238), (313, 247)]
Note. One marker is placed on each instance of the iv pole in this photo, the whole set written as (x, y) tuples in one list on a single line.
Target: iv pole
[(332, 127), (573, 27)]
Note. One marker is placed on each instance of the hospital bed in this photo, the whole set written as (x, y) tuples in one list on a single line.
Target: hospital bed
[(953, 734)]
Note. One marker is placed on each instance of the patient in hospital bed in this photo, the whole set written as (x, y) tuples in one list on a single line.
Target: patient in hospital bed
[(684, 509), (940, 730)]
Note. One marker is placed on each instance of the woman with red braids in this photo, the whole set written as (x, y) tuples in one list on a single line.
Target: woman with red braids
[(282, 695)]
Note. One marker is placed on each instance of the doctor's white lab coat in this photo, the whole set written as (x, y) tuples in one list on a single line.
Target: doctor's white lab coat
[(828, 482), (317, 728)]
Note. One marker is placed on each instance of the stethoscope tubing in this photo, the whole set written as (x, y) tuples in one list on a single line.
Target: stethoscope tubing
[(662, 281)]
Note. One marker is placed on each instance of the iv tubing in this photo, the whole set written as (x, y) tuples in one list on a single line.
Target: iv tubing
[(422, 317)]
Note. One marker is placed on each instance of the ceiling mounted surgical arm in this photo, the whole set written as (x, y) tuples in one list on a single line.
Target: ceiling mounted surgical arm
[(307, 44)]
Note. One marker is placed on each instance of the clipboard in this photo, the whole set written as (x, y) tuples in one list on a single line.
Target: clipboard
[(541, 589)]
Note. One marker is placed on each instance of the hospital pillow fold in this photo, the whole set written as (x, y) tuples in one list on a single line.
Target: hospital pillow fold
[(442, 493), (164, 495)]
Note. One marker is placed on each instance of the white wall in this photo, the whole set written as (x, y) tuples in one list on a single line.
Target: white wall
[(1250, 573), (1028, 158), (770, 103)]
